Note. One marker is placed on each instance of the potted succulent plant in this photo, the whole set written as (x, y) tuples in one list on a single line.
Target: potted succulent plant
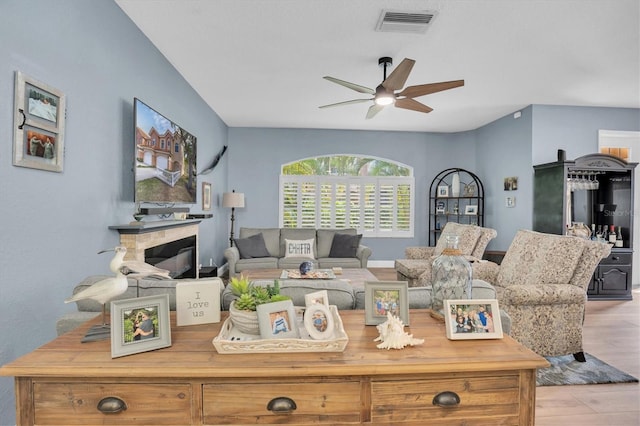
[(242, 311)]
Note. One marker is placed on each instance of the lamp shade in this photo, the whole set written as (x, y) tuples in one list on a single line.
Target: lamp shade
[(233, 200)]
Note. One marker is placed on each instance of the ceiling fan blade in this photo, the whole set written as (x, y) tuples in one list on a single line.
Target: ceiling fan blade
[(353, 101), (399, 76), (426, 89), (373, 110), (352, 86), (412, 104)]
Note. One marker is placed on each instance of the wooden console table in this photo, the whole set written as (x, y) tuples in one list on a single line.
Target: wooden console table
[(64, 381)]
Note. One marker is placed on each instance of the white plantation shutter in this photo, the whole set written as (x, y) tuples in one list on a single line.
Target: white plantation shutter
[(375, 206)]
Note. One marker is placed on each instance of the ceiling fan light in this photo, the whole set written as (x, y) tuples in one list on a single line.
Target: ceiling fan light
[(383, 97), (384, 100)]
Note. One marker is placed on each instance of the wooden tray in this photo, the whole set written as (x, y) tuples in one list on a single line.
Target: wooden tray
[(231, 341), (316, 274)]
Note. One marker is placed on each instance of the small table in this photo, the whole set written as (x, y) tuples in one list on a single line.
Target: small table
[(64, 381)]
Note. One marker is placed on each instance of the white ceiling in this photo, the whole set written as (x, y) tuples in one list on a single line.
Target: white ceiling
[(260, 63)]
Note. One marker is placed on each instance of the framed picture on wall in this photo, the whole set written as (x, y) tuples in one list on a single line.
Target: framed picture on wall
[(206, 196), (38, 118)]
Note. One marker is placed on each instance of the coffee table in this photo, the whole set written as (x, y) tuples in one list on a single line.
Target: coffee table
[(355, 276)]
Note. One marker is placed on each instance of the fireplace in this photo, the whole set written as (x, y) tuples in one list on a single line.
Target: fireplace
[(178, 257), (171, 245)]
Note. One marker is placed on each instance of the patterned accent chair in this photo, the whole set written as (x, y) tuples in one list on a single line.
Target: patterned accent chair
[(416, 268), (542, 284)]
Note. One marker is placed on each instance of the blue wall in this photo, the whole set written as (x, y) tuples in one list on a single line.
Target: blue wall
[(256, 155), (54, 223)]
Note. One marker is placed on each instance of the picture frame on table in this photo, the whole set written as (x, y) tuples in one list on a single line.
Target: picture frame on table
[(206, 196), (39, 123), (443, 191), (140, 324), (468, 319), (471, 210), (277, 320), (318, 321), (321, 297), (382, 297)]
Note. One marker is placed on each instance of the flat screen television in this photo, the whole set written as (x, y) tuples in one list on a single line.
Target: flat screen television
[(165, 159)]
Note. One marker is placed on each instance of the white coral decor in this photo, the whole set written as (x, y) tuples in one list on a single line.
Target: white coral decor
[(393, 336)]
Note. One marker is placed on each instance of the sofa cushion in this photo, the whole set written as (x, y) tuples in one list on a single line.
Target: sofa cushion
[(271, 238), (257, 263), (344, 245), (468, 237), (252, 246), (294, 262), (324, 239), (300, 248), (539, 253)]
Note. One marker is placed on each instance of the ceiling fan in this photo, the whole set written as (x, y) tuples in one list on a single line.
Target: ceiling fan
[(385, 93)]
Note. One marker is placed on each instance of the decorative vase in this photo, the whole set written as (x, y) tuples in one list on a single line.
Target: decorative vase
[(306, 267), (244, 321), (455, 185), (451, 275)]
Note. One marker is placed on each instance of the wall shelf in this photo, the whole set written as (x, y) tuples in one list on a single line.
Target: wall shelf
[(445, 207)]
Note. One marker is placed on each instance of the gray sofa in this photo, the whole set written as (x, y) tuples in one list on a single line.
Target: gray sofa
[(249, 253), (341, 293)]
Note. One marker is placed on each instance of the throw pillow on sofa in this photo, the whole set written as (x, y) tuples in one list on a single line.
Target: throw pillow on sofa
[(252, 247), (299, 248), (344, 245)]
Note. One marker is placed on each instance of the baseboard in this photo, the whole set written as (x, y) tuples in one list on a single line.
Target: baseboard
[(381, 264)]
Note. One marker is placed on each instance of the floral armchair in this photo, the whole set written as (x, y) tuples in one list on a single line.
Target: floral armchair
[(416, 268), (542, 284)]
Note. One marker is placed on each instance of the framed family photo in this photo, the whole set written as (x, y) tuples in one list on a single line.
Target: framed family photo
[(277, 320), (472, 319), (318, 321), (382, 297), (443, 191), (139, 325), (39, 119), (317, 297)]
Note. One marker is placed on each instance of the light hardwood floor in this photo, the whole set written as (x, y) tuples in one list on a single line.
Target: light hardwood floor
[(611, 333)]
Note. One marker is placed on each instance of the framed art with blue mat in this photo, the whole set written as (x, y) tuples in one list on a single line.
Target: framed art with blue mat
[(565, 370)]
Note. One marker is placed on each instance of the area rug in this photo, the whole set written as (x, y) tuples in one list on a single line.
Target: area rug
[(565, 370)]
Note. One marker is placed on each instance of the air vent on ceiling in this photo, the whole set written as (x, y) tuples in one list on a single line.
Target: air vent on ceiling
[(395, 21)]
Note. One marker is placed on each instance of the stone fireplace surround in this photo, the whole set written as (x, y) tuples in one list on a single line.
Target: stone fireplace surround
[(140, 236)]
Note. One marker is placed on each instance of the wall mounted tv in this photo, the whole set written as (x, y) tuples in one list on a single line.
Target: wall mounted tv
[(165, 159)]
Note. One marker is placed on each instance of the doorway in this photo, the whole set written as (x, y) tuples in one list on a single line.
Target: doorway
[(630, 141)]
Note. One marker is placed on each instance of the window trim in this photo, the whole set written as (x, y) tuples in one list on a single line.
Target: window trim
[(319, 180)]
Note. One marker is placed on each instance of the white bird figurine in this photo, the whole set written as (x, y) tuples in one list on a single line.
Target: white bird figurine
[(109, 288), (133, 268)]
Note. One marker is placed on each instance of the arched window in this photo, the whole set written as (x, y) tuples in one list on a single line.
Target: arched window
[(373, 195)]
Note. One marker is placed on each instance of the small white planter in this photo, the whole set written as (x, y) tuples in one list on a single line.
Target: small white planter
[(244, 321)]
